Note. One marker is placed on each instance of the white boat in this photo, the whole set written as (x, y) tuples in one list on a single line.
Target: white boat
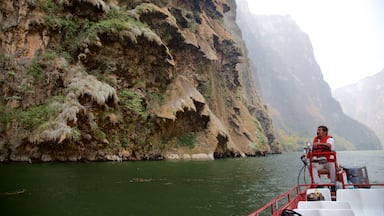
[(352, 195)]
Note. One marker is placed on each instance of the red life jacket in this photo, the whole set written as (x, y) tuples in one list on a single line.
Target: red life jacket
[(321, 148)]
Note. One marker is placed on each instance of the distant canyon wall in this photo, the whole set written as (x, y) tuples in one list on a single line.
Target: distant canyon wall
[(292, 84), (364, 101)]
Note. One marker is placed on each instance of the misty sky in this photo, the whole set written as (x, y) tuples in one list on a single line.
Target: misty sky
[(347, 35)]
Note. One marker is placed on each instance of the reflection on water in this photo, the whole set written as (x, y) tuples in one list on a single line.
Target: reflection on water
[(221, 187)]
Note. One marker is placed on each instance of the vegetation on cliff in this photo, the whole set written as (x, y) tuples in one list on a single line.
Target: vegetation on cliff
[(129, 80)]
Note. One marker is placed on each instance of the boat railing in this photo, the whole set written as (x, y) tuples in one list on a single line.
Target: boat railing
[(290, 198), (282, 201)]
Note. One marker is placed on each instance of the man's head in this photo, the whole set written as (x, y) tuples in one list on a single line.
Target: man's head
[(322, 131)]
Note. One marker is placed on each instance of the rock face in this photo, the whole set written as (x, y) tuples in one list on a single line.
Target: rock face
[(364, 101), (126, 80), (292, 84)]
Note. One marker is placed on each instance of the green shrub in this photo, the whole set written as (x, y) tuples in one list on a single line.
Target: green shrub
[(124, 143), (100, 135), (132, 102), (35, 116), (36, 71), (116, 23), (25, 87), (48, 5), (57, 98), (103, 116), (140, 141), (206, 90), (156, 98), (50, 55), (6, 116), (75, 133), (187, 140), (70, 32), (11, 73)]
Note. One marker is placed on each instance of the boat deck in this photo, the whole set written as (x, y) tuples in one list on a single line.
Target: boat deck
[(343, 202)]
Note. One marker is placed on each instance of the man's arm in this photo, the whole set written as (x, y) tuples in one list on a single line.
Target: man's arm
[(329, 144), (315, 145)]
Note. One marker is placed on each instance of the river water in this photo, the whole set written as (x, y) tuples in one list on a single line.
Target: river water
[(162, 188)]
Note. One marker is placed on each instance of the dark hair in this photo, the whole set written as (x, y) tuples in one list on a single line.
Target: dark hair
[(324, 128)]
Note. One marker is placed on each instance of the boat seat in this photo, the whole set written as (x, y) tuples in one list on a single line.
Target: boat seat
[(323, 171), (325, 212), (324, 205), (324, 191), (364, 202)]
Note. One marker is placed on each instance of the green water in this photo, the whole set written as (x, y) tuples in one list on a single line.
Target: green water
[(220, 187)]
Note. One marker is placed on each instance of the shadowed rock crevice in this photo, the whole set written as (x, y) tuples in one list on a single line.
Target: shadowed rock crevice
[(222, 150), (186, 121)]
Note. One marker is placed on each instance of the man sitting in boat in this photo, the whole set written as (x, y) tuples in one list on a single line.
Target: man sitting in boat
[(322, 143)]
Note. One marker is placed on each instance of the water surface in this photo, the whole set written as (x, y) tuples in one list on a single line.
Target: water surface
[(220, 187)]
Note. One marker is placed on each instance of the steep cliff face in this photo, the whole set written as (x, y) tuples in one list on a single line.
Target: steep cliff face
[(254, 103), (364, 101), (124, 80), (292, 84)]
